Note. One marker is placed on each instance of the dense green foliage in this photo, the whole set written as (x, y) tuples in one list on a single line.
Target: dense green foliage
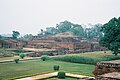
[(61, 75), (94, 32), (111, 39), (56, 67), (25, 37), (22, 55), (15, 34), (44, 57), (0, 36), (79, 30)]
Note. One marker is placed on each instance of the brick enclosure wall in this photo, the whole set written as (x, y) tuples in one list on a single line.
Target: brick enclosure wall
[(104, 67)]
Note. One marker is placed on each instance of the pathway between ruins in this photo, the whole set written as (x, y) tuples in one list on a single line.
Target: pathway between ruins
[(12, 60), (52, 75)]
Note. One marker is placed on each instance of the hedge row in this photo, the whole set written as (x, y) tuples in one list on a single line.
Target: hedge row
[(85, 60)]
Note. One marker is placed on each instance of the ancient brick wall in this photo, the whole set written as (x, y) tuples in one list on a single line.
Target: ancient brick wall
[(106, 67), (11, 43), (73, 43), (110, 76), (67, 45)]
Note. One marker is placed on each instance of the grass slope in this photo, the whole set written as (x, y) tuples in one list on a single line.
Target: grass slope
[(24, 68), (7, 58)]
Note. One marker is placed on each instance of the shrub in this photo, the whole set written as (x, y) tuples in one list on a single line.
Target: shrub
[(22, 55), (16, 60), (56, 67), (44, 57), (61, 75)]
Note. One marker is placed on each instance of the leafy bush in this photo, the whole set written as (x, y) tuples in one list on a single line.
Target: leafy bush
[(44, 57), (22, 55), (61, 75), (16, 60), (56, 67)]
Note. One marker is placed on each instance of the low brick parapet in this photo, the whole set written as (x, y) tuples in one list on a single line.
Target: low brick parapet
[(106, 67)]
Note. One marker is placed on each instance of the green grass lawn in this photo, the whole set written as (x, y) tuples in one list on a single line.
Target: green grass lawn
[(34, 67), (25, 68), (12, 58), (7, 58), (98, 54)]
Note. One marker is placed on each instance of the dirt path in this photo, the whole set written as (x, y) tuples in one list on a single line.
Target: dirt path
[(27, 58), (39, 76), (52, 75)]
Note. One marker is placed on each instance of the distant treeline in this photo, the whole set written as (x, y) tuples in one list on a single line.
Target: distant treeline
[(79, 30), (89, 31)]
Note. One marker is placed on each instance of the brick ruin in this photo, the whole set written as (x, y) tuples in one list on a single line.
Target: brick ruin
[(66, 41), (63, 43), (110, 76), (41, 42), (107, 70), (39, 53), (11, 43)]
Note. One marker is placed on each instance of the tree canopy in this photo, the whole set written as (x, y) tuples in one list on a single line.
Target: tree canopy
[(111, 39), (25, 37), (94, 32), (77, 29), (0, 36), (15, 34)]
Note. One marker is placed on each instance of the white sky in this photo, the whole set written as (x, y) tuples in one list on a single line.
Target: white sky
[(29, 16)]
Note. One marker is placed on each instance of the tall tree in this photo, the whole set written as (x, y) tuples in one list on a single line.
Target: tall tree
[(15, 34), (25, 37), (0, 36), (51, 31), (64, 26), (94, 32), (77, 30), (111, 38), (68, 26), (41, 32)]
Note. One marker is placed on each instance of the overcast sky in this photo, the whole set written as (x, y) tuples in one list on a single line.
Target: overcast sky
[(29, 16)]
